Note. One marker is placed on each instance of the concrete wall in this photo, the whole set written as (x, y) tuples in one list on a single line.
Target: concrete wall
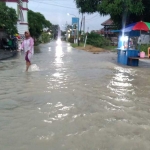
[(25, 15), (145, 39), (22, 28)]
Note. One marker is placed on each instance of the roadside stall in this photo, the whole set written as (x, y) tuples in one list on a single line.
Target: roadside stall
[(129, 43)]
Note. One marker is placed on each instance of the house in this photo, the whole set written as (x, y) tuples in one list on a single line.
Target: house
[(108, 25), (21, 7)]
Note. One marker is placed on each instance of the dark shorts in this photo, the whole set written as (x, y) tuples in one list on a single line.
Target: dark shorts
[(26, 58)]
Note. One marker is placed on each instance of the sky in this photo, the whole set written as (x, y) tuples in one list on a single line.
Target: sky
[(56, 12)]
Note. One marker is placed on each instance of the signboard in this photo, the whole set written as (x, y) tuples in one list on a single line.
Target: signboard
[(75, 21), (75, 25)]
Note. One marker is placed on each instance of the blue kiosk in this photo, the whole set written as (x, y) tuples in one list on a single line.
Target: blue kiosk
[(127, 47)]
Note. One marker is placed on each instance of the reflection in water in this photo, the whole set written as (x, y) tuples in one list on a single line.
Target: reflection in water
[(121, 83), (58, 112), (58, 56), (37, 49), (58, 79), (49, 49), (69, 49)]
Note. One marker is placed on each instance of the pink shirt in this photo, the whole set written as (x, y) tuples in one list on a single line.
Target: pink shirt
[(28, 45)]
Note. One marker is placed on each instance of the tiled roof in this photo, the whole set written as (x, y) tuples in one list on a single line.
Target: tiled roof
[(108, 22)]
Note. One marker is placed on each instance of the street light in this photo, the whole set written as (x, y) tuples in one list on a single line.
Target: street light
[(71, 15), (77, 25)]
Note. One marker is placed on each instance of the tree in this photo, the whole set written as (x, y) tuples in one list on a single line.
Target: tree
[(135, 10), (37, 23), (55, 29), (8, 19)]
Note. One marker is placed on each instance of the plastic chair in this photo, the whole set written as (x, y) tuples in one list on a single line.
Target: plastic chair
[(149, 52)]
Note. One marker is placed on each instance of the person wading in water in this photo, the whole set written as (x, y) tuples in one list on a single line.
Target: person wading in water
[(28, 47)]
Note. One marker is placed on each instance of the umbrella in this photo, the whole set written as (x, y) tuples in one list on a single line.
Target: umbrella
[(141, 26), (138, 26), (144, 26)]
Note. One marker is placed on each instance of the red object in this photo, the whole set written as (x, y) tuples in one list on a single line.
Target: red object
[(140, 26)]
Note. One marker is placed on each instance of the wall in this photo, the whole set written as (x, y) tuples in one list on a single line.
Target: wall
[(145, 39), (22, 28), (25, 15)]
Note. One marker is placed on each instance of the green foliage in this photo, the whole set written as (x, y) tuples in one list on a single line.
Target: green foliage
[(76, 45), (54, 30), (88, 6), (71, 39), (45, 37), (8, 19), (37, 42), (82, 37), (97, 40), (144, 47), (37, 23), (136, 9)]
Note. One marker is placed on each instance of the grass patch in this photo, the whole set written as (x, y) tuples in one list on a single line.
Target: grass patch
[(76, 45), (94, 49), (112, 48)]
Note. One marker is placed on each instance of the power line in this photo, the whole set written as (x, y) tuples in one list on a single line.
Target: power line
[(92, 17), (52, 4)]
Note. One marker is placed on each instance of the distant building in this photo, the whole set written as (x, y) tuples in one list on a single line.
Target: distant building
[(108, 26), (21, 7), (106, 31)]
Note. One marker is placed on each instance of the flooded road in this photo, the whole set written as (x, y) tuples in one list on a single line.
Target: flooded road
[(74, 100)]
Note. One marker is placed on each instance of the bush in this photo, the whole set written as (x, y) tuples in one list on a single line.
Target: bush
[(71, 39), (45, 37), (144, 47), (97, 40), (37, 42), (82, 38)]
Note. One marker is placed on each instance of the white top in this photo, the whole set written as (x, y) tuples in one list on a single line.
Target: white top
[(28, 45)]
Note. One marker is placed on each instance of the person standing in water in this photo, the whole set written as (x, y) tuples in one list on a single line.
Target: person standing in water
[(28, 47)]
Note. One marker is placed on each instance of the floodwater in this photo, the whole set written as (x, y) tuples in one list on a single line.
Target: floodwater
[(74, 100)]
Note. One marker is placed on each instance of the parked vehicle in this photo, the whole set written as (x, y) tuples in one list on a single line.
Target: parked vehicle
[(9, 43)]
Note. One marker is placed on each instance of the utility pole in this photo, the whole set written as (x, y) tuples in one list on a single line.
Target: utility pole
[(84, 24), (66, 32), (86, 37), (80, 31)]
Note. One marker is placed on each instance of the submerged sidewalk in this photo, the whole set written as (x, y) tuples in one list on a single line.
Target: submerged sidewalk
[(4, 54)]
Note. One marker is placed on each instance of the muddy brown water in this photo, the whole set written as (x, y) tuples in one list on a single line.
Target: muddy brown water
[(74, 100)]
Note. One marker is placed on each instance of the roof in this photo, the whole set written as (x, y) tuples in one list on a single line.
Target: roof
[(108, 22)]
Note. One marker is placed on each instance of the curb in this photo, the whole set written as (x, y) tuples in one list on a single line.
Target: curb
[(9, 55)]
